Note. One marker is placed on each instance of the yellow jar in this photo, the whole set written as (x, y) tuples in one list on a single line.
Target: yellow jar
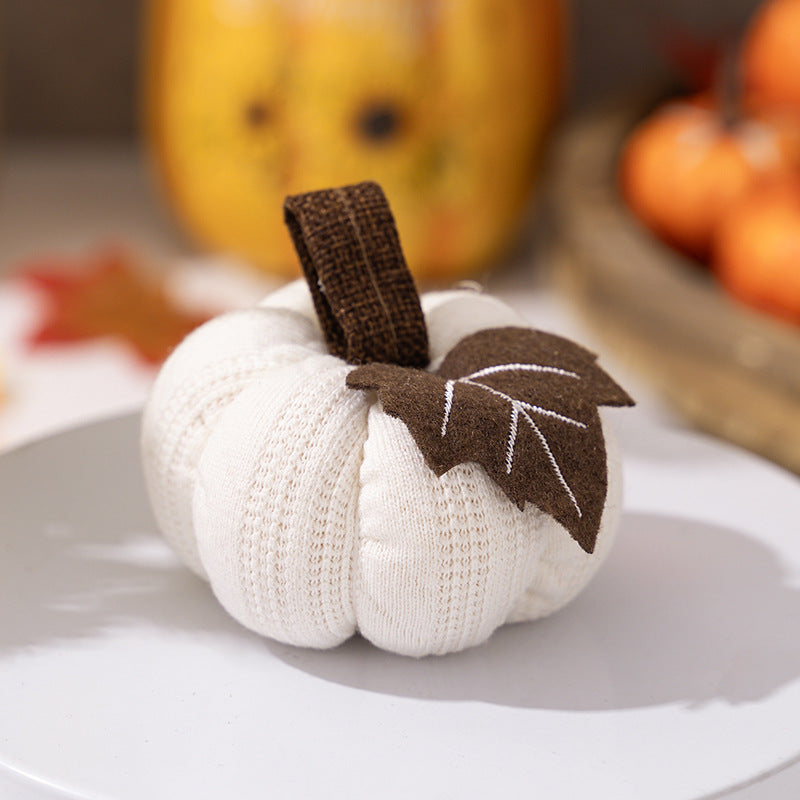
[(443, 102)]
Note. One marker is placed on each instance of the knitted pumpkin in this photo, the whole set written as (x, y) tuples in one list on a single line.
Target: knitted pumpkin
[(345, 458)]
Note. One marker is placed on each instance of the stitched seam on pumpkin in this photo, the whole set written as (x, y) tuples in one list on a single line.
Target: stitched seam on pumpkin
[(358, 540), (338, 611), (355, 549), (370, 273)]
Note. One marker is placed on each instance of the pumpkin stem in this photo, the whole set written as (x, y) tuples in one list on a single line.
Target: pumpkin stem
[(363, 292)]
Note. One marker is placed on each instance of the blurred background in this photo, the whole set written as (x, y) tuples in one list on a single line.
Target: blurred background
[(629, 168), (71, 69)]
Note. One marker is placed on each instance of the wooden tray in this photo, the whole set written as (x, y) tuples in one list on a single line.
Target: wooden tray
[(732, 371)]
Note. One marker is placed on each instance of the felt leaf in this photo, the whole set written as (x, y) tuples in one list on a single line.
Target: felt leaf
[(108, 296), (523, 404)]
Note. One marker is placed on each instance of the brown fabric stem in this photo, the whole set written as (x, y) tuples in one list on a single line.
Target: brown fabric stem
[(363, 292)]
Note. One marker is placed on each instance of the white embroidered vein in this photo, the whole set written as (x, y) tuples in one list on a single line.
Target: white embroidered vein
[(522, 367), (552, 459), (512, 437), (518, 407), (546, 412), (448, 404)]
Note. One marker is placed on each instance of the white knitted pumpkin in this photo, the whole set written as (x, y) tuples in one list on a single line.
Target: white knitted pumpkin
[(313, 514)]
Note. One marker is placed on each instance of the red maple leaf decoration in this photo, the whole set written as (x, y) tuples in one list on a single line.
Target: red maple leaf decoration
[(106, 295)]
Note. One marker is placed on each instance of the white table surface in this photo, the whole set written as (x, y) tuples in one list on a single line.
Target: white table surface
[(68, 200), (674, 676)]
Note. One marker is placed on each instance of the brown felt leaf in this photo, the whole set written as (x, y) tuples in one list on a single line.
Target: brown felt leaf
[(523, 404)]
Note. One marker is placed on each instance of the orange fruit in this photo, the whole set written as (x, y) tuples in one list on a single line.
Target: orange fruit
[(756, 252), (683, 167), (771, 54)]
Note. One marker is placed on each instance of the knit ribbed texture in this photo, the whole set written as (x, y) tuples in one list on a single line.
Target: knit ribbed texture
[(276, 503), (442, 560), (198, 381), (313, 513), (560, 572)]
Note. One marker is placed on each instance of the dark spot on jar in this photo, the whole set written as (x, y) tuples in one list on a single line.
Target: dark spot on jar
[(257, 114), (379, 122)]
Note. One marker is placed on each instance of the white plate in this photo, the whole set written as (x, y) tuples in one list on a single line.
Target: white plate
[(675, 675)]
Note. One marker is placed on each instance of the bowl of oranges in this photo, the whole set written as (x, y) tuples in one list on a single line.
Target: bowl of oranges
[(679, 231)]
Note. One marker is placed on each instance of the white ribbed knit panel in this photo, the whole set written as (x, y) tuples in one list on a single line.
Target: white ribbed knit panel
[(442, 560), (199, 380), (276, 502), (563, 570), (450, 316), (294, 295)]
